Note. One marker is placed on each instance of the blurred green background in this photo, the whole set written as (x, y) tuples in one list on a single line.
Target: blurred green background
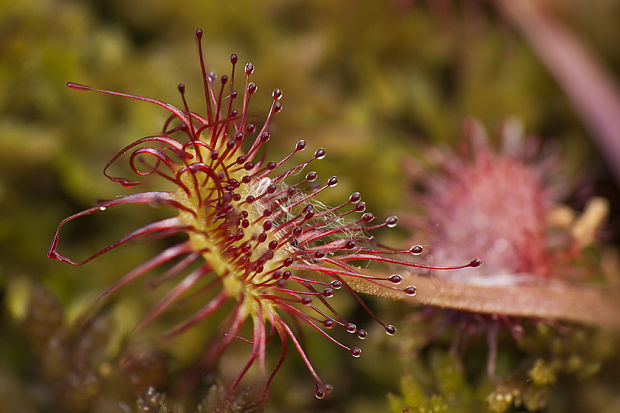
[(372, 82)]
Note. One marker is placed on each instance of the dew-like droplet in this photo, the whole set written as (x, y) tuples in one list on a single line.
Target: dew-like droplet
[(351, 328), (323, 390), (395, 278), (367, 217), (360, 207), (328, 323), (390, 329), (102, 208), (355, 197), (356, 351), (416, 249), (411, 290), (333, 181), (336, 284), (475, 263), (320, 153), (391, 222), (362, 334), (277, 94), (249, 69)]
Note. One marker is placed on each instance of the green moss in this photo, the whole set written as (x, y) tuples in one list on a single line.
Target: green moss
[(542, 374), (152, 402)]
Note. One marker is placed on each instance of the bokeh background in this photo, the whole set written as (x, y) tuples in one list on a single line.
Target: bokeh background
[(373, 82)]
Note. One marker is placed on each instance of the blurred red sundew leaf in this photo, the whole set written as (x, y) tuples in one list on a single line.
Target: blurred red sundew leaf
[(545, 299)]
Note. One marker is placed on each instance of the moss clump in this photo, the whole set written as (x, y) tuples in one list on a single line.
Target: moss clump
[(542, 374), (152, 402), (439, 386), (531, 372)]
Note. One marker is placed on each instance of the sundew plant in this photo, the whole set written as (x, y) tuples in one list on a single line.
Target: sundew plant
[(255, 233)]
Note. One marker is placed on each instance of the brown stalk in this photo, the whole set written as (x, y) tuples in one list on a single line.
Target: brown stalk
[(550, 300), (591, 89)]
